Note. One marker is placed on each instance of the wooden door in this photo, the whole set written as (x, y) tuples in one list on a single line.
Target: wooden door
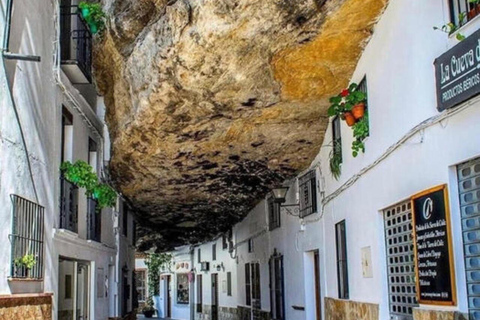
[(318, 299), (214, 296), (168, 293)]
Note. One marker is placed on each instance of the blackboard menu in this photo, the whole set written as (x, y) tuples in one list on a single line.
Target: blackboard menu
[(434, 264)]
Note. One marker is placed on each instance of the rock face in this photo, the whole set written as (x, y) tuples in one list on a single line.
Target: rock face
[(213, 102)]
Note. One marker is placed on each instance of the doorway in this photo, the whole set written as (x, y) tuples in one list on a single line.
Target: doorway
[(312, 283), (318, 299), (168, 296), (74, 288), (214, 296)]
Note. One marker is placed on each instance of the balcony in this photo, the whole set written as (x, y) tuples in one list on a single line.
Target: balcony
[(76, 46), (68, 206), (94, 221)]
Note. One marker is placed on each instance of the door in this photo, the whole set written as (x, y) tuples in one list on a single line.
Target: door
[(256, 291), (83, 289), (318, 299), (277, 299), (168, 293), (214, 296)]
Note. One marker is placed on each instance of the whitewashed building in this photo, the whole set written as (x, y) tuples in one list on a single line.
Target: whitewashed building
[(50, 113), (347, 250)]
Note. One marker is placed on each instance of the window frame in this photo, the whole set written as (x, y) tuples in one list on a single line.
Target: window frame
[(274, 214), (307, 186), (342, 259)]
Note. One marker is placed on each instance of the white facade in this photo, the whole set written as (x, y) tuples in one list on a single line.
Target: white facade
[(31, 169), (412, 147)]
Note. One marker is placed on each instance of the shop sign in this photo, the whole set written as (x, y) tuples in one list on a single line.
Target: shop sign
[(457, 73), (435, 277)]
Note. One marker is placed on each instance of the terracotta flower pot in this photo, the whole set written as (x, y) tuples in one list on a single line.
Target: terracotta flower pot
[(349, 118), (358, 110), (473, 12)]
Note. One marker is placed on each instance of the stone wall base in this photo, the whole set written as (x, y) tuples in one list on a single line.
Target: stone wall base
[(424, 314), (26, 307), (350, 310)]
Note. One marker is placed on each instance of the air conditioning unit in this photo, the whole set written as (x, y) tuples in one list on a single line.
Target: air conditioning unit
[(204, 266)]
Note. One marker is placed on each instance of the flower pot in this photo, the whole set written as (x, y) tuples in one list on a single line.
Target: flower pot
[(358, 110), (349, 118), (148, 314), (474, 12)]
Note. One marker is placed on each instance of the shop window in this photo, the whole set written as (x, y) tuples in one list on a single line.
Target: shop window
[(199, 293), (308, 194), (182, 288), (342, 267), (400, 260), (27, 239), (273, 214), (463, 11)]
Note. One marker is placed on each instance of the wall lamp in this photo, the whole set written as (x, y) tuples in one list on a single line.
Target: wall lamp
[(220, 267), (279, 194)]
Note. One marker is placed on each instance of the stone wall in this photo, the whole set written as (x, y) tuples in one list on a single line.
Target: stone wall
[(26, 307), (350, 310), (421, 314)]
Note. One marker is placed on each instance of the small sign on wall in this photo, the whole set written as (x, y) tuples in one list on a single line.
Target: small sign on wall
[(434, 269), (367, 271)]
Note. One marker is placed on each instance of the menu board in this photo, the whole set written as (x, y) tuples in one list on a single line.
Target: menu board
[(433, 257)]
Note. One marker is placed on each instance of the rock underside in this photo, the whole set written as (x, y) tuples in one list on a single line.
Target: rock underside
[(210, 103)]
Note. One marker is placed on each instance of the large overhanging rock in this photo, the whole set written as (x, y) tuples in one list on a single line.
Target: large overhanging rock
[(213, 102)]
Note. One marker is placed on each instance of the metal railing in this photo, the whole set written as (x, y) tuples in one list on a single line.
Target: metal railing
[(75, 40), (94, 221), (68, 206), (27, 238), (462, 11)]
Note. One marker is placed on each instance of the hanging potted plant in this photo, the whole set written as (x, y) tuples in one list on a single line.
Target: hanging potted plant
[(349, 105)]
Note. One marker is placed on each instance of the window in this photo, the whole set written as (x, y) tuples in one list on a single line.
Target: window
[(134, 233), (250, 245), (229, 284), (94, 220), (68, 286), (248, 287), (337, 138), (125, 219), (308, 194), (182, 288), (26, 238), (214, 252), (199, 293), (67, 136), (400, 260), (256, 289), (92, 154), (273, 214), (224, 241), (463, 9), (342, 267), (141, 284), (277, 303), (199, 255)]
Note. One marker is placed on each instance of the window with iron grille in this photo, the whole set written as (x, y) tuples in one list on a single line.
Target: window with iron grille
[(141, 284), (469, 192), (27, 238), (94, 221), (273, 214), (214, 252), (462, 11), (308, 194), (400, 261), (68, 206), (342, 266), (337, 138), (248, 287), (229, 284), (199, 293)]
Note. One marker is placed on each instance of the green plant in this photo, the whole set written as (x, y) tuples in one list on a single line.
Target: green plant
[(155, 262), (81, 174), (345, 101), (451, 27), (93, 14), (361, 131), (28, 261), (148, 307), (336, 160)]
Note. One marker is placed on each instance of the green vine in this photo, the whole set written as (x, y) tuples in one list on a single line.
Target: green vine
[(93, 14), (155, 262), (336, 160), (81, 174), (360, 133)]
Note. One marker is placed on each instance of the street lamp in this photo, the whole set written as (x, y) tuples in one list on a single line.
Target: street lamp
[(279, 194)]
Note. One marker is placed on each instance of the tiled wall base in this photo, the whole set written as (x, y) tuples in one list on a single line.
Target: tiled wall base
[(224, 313), (26, 307), (422, 314), (349, 310)]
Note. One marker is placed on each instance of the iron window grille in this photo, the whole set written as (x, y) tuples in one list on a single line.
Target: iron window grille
[(400, 261), (462, 11), (308, 194), (68, 206), (214, 252), (248, 287), (273, 214), (199, 293), (27, 237), (75, 40), (141, 285), (342, 262), (229, 284), (94, 221)]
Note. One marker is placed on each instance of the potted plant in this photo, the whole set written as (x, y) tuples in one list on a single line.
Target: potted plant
[(475, 10), (361, 131), (148, 310), (93, 15), (336, 160), (24, 264), (349, 104)]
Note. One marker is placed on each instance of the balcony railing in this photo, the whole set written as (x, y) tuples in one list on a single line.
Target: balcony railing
[(68, 206), (462, 11), (27, 238), (94, 221), (76, 41)]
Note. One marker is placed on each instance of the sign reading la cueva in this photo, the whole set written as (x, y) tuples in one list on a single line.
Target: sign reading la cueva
[(458, 73)]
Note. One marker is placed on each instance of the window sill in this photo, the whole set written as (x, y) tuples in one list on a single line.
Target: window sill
[(11, 279), (465, 27)]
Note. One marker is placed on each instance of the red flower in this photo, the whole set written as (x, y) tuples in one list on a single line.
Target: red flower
[(345, 93)]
